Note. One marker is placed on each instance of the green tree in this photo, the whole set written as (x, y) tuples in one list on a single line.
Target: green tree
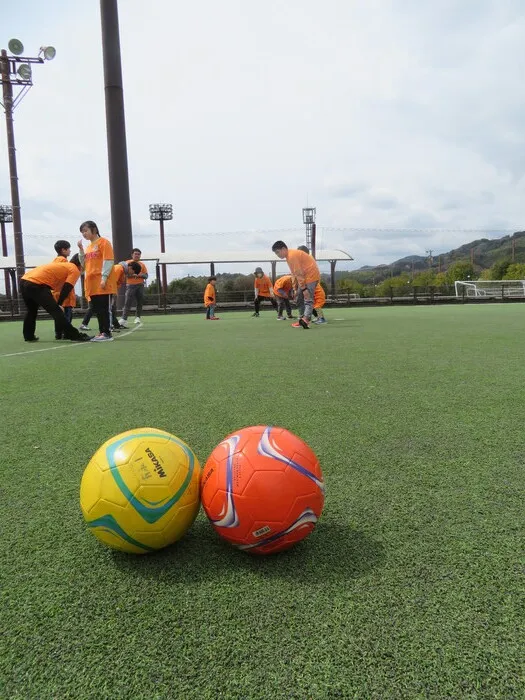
[(499, 269), (515, 271), (398, 286), (440, 280), (460, 270), (426, 278), (351, 286)]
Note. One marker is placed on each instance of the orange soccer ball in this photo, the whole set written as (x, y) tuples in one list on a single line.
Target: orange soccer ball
[(262, 489)]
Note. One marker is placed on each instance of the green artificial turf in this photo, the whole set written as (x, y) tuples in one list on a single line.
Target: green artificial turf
[(412, 584)]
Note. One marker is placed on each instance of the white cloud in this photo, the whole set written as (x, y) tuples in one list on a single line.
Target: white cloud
[(401, 115)]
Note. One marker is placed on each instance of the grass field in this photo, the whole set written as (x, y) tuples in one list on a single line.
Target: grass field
[(412, 584)]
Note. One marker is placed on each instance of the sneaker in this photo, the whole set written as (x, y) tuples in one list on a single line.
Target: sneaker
[(320, 320), (296, 325), (256, 315), (280, 318), (82, 338), (31, 340), (58, 337), (123, 322), (215, 318), (137, 320), (116, 329), (291, 317), (304, 323), (83, 327), (101, 338)]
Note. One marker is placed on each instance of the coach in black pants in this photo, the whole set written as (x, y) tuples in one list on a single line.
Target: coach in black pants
[(36, 288)]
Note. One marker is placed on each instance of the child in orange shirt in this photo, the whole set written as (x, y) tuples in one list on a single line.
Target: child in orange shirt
[(284, 291), (263, 289), (210, 299), (98, 261)]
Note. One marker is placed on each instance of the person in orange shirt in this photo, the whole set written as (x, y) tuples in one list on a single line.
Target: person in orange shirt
[(63, 251), (134, 288), (263, 290), (210, 299), (304, 268), (37, 287), (98, 261), (284, 291), (319, 302), (122, 271)]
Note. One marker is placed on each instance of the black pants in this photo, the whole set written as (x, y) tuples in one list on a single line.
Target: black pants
[(68, 313), (36, 296), (284, 304), (258, 300), (88, 315), (101, 304), (134, 295)]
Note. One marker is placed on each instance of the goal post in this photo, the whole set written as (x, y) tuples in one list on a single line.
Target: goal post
[(490, 289)]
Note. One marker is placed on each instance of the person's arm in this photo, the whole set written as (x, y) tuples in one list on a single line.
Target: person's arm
[(107, 263), (144, 274)]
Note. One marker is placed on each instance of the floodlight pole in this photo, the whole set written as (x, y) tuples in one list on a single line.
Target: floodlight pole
[(7, 90), (116, 132), (309, 221), (162, 213)]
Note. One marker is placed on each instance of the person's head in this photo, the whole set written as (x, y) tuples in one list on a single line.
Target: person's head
[(304, 249), (280, 249), (134, 267), (259, 272), (212, 280), (75, 260), (89, 230), (63, 248), (135, 255)]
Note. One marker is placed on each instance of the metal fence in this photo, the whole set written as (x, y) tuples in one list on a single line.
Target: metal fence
[(191, 302)]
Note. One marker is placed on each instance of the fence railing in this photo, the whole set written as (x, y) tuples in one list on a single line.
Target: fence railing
[(191, 301)]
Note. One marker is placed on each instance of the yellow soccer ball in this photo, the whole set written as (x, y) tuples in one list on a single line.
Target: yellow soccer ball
[(140, 490)]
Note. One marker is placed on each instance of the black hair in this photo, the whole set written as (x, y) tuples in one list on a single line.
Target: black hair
[(135, 266), (75, 260), (60, 245), (278, 245), (136, 250), (91, 225), (303, 248), (212, 278)]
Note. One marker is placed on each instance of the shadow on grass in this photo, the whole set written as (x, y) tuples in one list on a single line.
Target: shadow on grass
[(333, 552)]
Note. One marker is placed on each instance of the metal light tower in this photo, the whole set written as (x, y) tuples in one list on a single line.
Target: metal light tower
[(6, 217), (309, 221), (162, 213), (16, 73)]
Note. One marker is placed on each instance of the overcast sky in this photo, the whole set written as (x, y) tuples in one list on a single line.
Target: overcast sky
[(395, 114)]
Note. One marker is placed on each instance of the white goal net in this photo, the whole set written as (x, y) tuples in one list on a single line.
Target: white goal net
[(490, 289)]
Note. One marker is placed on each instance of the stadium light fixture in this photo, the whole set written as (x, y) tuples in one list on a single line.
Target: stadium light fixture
[(49, 52), (16, 74)]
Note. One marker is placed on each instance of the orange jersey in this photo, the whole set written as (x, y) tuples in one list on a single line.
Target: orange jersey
[(263, 285), (54, 275), (319, 297), (60, 258), (97, 253), (209, 295), (70, 300), (283, 286), (120, 275), (302, 266), (143, 271)]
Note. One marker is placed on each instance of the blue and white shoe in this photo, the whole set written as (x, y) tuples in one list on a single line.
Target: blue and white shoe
[(102, 338), (320, 320)]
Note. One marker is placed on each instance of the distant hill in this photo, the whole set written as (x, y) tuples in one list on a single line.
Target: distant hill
[(483, 252)]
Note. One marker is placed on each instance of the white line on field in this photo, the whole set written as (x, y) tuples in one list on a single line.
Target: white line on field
[(69, 345)]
